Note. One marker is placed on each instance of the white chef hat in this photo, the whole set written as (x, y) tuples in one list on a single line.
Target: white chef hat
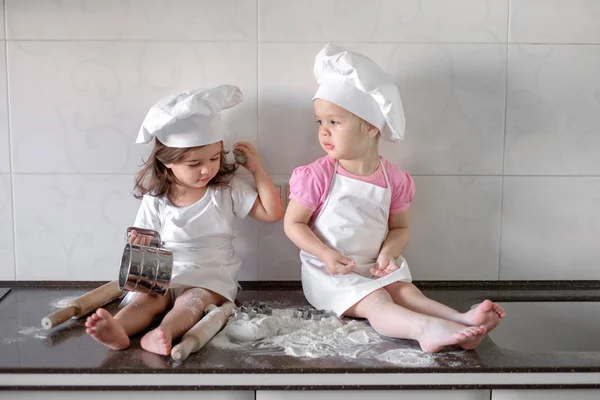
[(357, 84), (190, 118)]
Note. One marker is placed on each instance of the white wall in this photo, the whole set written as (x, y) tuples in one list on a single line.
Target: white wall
[(503, 137)]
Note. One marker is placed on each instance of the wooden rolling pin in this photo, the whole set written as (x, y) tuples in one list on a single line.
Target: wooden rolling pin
[(203, 331), (83, 305)]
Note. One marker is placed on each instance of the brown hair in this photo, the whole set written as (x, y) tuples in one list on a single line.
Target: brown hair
[(157, 180)]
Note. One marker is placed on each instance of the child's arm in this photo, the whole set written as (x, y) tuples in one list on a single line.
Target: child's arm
[(394, 244), (147, 218), (297, 230), (267, 207)]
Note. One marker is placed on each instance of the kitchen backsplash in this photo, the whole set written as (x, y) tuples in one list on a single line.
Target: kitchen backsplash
[(502, 101)]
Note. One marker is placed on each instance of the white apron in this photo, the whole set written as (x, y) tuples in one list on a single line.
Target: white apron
[(201, 238), (353, 221)]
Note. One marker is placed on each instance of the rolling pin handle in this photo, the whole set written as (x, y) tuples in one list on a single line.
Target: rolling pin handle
[(184, 349), (58, 317)]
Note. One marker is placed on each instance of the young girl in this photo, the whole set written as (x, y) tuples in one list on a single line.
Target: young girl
[(349, 213), (190, 196)]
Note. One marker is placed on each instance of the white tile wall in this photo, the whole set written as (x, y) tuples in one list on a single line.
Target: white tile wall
[(71, 227), (286, 119), (2, 19), (278, 257), (552, 124), (7, 260), (89, 98), (207, 20), (4, 138), (481, 21), (455, 228), (76, 230), (462, 85), (246, 248), (554, 21), (501, 100), (550, 228)]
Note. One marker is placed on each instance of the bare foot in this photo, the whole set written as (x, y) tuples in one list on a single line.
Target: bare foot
[(157, 341), (471, 344), (105, 329), (486, 313), (439, 333)]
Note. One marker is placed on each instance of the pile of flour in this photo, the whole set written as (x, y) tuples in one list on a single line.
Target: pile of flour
[(286, 331), (313, 336)]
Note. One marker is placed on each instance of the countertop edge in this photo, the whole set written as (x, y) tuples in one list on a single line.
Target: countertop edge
[(257, 381)]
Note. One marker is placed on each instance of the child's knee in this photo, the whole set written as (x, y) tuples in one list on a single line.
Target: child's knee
[(194, 300), (369, 305), (402, 288)]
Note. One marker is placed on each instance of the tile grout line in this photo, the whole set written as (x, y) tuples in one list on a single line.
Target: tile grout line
[(504, 139), (10, 155), (288, 175), (293, 42), (258, 257)]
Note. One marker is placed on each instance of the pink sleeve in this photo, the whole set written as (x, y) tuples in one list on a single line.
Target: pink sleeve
[(306, 188), (403, 190)]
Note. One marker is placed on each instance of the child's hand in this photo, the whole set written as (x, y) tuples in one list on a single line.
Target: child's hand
[(337, 264), (384, 265), (252, 163), (139, 239)]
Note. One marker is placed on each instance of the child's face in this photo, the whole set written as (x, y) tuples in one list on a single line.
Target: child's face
[(198, 166), (342, 134)]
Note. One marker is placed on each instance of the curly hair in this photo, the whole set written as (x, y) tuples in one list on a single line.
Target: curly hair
[(157, 180)]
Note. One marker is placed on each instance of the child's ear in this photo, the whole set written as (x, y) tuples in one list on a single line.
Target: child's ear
[(373, 131), (369, 129)]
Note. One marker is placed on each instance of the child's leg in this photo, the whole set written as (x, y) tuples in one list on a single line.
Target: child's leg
[(186, 312), (133, 318), (390, 319), (409, 296)]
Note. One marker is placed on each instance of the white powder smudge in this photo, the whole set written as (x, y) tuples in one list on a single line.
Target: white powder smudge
[(193, 305), (62, 303), (37, 333), (454, 363), (12, 340), (408, 357), (222, 341)]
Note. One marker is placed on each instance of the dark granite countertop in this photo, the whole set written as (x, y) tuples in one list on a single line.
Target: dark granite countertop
[(27, 348)]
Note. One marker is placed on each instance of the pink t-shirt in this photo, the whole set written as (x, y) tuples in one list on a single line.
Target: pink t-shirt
[(309, 184)]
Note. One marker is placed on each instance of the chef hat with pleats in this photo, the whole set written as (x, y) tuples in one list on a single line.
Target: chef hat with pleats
[(190, 118), (357, 84)]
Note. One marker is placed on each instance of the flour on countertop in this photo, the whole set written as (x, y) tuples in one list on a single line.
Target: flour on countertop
[(38, 333), (314, 335), (63, 302), (259, 329), (285, 331), (12, 340), (408, 357)]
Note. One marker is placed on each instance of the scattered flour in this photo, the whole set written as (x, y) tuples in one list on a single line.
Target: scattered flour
[(300, 334), (38, 333), (408, 357), (62, 303), (285, 331), (12, 340)]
